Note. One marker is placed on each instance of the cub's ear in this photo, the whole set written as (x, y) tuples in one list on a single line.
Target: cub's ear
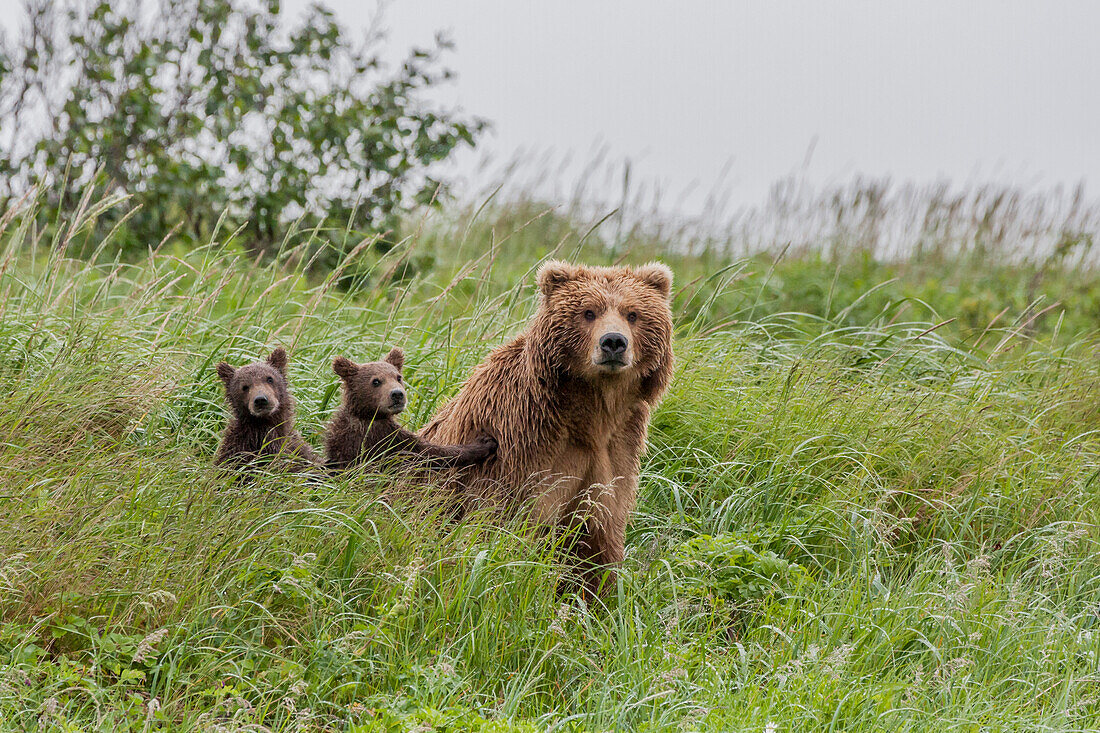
[(396, 357), (278, 360), (225, 372), (345, 368), (657, 275), (553, 273)]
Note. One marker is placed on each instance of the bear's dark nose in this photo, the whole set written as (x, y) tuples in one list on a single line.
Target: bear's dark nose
[(261, 403), (613, 344), (397, 396)]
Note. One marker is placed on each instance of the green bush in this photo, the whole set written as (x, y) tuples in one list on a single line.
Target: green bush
[(734, 574), (211, 113)]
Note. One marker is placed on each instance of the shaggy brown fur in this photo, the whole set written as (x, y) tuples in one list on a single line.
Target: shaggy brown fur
[(262, 426), (365, 429), (569, 401)]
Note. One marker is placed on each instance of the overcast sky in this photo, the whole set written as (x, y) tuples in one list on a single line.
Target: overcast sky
[(999, 90)]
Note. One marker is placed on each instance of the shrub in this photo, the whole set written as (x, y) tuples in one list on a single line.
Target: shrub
[(729, 572), (203, 109)]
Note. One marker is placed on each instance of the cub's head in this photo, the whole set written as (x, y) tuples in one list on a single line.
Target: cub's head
[(258, 391), (374, 388), (602, 322)]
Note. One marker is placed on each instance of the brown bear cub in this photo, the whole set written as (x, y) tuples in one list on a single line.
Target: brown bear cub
[(365, 427), (262, 427)]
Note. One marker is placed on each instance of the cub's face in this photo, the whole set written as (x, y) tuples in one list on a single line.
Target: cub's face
[(605, 321), (375, 388), (258, 390)]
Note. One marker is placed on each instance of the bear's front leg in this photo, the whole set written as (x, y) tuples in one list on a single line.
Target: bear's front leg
[(597, 530), (609, 504)]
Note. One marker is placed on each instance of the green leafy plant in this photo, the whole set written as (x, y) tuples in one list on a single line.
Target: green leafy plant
[(734, 573), (446, 720), (220, 111)]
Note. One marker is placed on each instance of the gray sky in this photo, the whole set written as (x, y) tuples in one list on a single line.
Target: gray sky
[(999, 90), (1005, 90)]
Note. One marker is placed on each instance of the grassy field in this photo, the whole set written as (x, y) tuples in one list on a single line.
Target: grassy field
[(870, 500)]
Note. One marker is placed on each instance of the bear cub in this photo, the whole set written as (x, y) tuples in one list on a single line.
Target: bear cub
[(365, 427), (262, 427)]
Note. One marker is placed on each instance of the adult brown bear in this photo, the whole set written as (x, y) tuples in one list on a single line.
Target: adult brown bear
[(568, 401)]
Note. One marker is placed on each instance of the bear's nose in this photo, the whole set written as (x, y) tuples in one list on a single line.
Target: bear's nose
[(260, 402), (397, 396), (613, 344)]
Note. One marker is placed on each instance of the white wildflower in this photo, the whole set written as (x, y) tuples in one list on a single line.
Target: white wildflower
[(408, 585), (157, 600), (951, 667), (302, 561), (948, 557), (146, 647), (837, 660), (978, 567), (672, 675), (352, 641), (303, 718), (11, 568), (565, 613)]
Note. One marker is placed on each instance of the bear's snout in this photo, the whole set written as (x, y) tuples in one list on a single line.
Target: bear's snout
[(397, 400), (262, 405), (613, 344), (613, 350)]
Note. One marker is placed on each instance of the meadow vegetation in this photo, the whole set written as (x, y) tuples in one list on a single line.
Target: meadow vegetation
[(869, 500)]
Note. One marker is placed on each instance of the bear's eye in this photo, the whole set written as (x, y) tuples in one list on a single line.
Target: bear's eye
[(589, 315), (270, 380), (632, 317), (376, 382), (244, 388)]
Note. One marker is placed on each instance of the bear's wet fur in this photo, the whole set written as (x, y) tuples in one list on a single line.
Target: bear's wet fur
[(261, 430), (569, 401), (365, 428)]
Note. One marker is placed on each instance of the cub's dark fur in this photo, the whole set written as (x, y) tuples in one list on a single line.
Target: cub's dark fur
[(262, 426), (365, 428)]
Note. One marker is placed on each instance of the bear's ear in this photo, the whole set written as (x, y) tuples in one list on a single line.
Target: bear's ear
[(396, 357), (657, 275), (345, 368), (553, 273), (225, 372), (277, 359)]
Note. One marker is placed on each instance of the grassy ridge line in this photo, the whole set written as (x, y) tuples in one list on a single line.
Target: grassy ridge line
[(942, 497)]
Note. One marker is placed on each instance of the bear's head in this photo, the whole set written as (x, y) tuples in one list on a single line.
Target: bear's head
[(258, 391), (604, 322), (375, 388)]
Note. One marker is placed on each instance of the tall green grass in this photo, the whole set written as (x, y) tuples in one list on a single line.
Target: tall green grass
[(936, 479)]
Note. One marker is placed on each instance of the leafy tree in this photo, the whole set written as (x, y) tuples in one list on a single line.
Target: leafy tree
[(199, 109)]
